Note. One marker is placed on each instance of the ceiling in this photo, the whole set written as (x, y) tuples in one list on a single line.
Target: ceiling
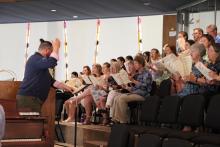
[(16, 11)]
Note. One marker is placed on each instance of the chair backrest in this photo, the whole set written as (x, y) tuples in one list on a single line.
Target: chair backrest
[(148, 140), (209, 145), (149, 109), (154, 88), (172, 142), (119, 136), (169, 109), (213, 117), (165, 88), (192, 110)]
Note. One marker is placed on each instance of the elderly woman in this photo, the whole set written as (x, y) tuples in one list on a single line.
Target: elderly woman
[(192, 86), (142, 86), (2, 123)]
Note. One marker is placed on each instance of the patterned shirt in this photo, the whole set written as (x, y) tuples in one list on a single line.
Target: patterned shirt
[(143, 88), (192, 88)]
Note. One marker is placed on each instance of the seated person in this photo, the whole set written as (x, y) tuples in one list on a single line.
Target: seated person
[(2, 123), (72, 102), (75, 82), (138, 92)]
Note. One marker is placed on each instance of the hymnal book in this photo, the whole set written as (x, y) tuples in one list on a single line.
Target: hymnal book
[(121, 77), (92, 80), (174, 64), (203, 69)]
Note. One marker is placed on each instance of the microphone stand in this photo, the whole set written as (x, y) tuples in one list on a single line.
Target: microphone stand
[(75, 126)]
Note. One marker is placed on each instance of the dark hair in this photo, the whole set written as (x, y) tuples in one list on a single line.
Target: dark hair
[(157, 51), (113, 60), (75, 74), (45, 45), (88, 68), (129, 58), (140, 60), (209, 38), (146, 54), (122, 59), (173, 49), (107, 64), (185, 34), (216, 47), (191, 42)]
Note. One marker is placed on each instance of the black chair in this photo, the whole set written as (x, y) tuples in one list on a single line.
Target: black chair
[(173, 142), (165, 88), (209, 145), (191, 114), (168, 115), (148, 140), (212, 122), (135, 106), (119, 136), (148, 114)]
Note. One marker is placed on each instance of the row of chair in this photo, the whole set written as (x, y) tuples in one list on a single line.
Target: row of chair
[(119, 137), (165, 118)]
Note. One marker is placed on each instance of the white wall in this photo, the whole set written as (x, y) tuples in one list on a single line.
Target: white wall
[(118, 37), (202, 20)]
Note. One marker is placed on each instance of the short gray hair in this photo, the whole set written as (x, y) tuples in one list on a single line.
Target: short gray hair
[(45, 45), (213, 27), (200, 48)]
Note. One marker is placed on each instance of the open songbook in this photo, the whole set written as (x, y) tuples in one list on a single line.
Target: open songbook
[(204, 70), (89, 80), (121, 77), (174, 64)]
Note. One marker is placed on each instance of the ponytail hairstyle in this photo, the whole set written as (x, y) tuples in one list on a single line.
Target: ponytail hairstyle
[(45, 45)]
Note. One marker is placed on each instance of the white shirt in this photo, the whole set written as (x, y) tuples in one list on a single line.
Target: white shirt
[(2, 123)]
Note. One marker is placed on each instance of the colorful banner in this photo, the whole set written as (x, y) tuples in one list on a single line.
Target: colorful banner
[(66, 51), (27, 41), (97, 41), (140, 43)]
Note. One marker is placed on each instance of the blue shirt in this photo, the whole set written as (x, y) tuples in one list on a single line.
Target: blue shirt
[(143, 88), (217, 39), (37, 79)]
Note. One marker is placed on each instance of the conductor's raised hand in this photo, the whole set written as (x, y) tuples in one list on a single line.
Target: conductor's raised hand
[(56, 45)]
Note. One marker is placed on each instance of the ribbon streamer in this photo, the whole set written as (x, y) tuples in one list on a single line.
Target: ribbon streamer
[(66, 51), (27, 42), (97, 41), (140, 43)]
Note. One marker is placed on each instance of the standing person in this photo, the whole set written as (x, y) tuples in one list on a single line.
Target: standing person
[(37, 81), (212, 30), (2, 123), (197, 34)]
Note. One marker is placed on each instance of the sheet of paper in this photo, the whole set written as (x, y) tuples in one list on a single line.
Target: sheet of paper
[(86, 80), (204, 70)]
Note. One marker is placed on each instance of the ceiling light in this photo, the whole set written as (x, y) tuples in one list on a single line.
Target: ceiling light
[(53, 10), (75, 16)]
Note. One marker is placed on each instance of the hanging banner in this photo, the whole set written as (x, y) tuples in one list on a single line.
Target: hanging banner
[(27, 41), (66, 51), (97, 41), (140, 44)]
